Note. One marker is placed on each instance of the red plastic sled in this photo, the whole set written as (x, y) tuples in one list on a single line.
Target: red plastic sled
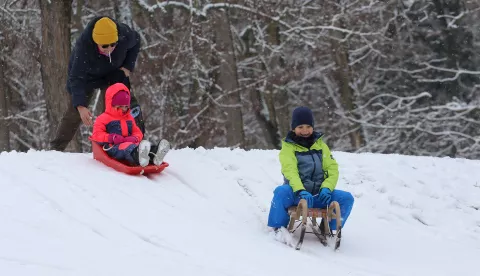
[(100, 155)]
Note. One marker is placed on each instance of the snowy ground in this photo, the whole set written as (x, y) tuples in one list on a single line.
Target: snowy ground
[(67, 214)]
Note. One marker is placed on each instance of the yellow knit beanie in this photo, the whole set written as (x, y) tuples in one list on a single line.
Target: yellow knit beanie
[(105, 31)]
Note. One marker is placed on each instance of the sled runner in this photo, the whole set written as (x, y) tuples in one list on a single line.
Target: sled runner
[(301, 210), (100, 155)]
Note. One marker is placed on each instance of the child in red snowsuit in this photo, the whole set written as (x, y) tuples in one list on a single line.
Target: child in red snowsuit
[(117, 132)]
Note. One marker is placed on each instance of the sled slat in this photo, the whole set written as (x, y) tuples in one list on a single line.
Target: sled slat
[(312, 212)]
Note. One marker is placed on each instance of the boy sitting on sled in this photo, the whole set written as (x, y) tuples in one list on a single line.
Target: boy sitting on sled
[(117, 132), (309, 171)]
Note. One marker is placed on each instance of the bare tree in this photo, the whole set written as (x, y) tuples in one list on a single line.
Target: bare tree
[(55, 53), (4, 121), (276, 93), (77, 18), (380, 76), (227, 79), (22, 113)]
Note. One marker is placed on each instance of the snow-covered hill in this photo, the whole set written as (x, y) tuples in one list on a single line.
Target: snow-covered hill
[(67, 214)]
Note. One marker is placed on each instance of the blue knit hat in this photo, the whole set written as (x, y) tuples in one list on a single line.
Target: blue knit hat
[(302, 116)]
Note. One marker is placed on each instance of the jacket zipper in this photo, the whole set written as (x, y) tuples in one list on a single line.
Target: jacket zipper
[(314, 168)]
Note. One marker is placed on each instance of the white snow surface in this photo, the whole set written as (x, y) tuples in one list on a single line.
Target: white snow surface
[(206, 214)]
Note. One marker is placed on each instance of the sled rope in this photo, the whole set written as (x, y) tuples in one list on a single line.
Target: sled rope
[(104, 149)]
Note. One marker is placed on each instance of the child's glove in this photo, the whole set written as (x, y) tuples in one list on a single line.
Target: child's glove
[(325, 196), (131, 139), (307, 196), (115, 138)]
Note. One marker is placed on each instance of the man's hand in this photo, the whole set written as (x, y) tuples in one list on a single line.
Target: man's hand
[(85, 115), (126, 71)]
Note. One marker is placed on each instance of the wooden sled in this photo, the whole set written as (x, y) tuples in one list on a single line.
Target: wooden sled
[(301, 210), (100, 155)]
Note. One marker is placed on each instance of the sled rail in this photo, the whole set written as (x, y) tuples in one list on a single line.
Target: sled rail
[(327, 214), (301, 210)]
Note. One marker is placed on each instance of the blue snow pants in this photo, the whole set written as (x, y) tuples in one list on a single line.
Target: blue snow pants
[(283, 198)]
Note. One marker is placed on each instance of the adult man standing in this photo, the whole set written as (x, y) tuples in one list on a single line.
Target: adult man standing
[(104, 54)]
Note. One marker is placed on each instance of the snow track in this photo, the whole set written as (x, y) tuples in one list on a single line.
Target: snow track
[(67, 214)]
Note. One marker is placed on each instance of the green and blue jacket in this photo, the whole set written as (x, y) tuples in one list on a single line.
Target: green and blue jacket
[(308, 169)]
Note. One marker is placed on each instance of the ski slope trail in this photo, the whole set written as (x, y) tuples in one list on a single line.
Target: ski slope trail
[(67, 214)]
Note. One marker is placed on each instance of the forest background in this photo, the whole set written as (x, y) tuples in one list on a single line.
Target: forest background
[(384, 76)]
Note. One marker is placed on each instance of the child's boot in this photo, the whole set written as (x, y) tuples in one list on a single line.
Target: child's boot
[(158, 152)]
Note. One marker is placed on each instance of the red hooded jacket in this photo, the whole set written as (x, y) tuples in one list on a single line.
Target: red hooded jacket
[(114, 121)]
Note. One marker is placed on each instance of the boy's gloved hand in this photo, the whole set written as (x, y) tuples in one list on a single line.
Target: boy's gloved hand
[(307, 196), (115, 138), (325, 196), (131, 139)]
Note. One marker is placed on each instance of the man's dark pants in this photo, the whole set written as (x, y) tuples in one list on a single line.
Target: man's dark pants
[(71, 118)]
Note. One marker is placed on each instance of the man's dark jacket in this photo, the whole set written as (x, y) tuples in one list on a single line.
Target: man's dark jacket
[(88, 69)]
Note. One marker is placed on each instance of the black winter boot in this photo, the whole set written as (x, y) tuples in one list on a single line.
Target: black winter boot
[(153, 151), (158, 152)]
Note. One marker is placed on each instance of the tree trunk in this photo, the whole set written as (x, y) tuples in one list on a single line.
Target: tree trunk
[(4, 122), (201, 108), (4, 99), (123, 11), (268, 127), (280, 96), (55, 53), (343, 78), (228, 79), (154, 67), (77, 18), (76, 144)]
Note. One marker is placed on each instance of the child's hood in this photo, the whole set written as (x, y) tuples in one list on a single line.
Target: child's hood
[(111, 91)]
